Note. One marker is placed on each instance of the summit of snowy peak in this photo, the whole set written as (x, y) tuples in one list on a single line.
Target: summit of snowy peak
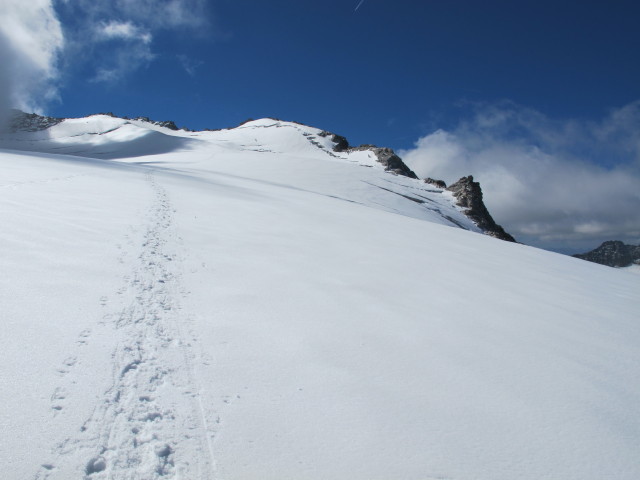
[(268, 122), (20, 121), (102, 135), (168, 124), (333, 143)]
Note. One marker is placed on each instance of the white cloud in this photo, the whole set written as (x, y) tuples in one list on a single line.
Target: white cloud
[(30, 40), (566, 185), (122, 31), (129, 49), (129, 27)]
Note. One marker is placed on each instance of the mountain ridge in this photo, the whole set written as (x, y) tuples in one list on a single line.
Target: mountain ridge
[(469, 196)]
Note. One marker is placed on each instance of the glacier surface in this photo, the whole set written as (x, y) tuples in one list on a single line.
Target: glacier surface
[(249, 304)]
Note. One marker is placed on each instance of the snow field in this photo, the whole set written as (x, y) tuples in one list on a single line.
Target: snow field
[(241, 304)]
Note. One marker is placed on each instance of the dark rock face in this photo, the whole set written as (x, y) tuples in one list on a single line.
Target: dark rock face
[(340, 143), (392, 162), (613, 253), (469, 196), (435, 183), (165, 123), (386, 156), (30, 122), (168, 124)]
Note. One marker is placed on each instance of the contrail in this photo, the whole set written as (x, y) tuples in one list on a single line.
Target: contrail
[(359, 5)]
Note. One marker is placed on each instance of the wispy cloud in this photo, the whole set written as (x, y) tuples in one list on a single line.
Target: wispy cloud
[(561, 184), (123, 31), (189, 64), (122, 62), (129, 27), (30, 41), (128, 49)]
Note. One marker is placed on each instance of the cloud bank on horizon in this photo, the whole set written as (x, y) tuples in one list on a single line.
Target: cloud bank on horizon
[(560, 184)]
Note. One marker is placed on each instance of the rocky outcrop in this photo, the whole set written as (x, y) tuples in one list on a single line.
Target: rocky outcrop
[(435, 183), (613, 253), (467, 192), (469, 196), (340, 143), (385, 156), (30, 122), (388, 158), (164, 123)]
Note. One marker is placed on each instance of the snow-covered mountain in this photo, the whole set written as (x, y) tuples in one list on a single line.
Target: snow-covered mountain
[(109, 137), (266, 302)]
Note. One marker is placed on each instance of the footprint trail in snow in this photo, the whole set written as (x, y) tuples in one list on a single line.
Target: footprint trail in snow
[(150, 423)]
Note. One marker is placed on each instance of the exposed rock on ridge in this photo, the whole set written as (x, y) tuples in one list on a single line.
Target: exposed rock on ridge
[(388, 158), (341, 144), (613, 253), (435, 183), (385, 156), (469, 196), (466, 191), (164, 123), (30, 122)]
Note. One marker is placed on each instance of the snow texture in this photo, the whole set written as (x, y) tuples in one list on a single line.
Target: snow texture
[(249, 304)]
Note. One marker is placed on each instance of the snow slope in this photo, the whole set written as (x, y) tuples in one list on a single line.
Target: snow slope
[(247, 303)]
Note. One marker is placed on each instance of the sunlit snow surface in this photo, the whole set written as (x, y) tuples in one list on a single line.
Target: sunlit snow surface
[(247, 304)]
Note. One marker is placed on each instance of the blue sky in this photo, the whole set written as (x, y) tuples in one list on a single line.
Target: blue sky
[(553, 84), (386, 73)]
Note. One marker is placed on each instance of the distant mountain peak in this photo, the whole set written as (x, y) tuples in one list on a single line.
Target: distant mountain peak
[(613, 253)]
